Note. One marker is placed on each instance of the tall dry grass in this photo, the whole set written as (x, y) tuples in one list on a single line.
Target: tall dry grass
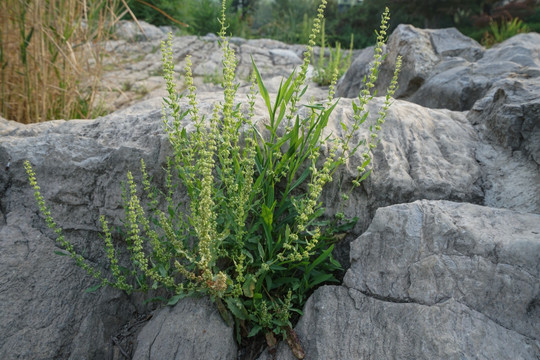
[(51, 56)]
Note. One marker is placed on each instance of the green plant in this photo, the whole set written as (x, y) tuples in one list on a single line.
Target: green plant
[(505, 30), (328, 71), (127, 85), (253, 236)]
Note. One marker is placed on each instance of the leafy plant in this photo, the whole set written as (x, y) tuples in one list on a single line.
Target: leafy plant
[(253, 237), (331, 69), (505, 30)]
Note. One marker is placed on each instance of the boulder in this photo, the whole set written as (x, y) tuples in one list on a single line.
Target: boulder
[(423, 153), (444, 69), (432, 280), (132, 72), (139, 31), (192, 329), (458, 83), (421, 50), (45, 310)]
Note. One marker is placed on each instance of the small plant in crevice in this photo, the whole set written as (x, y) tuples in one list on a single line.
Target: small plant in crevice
[(253, 237)]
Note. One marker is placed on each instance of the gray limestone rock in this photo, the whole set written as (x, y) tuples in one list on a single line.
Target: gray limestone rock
[(427, 252), (80, 165), (421, 50), (139, 31), (344, 324), (432, 280), (444, 69), (192, 329), (422, 154)]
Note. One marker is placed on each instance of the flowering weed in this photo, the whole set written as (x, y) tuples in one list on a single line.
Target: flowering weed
[(253, 238)]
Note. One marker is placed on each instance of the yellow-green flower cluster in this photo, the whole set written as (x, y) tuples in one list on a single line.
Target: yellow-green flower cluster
[(308, 54), (66, 245)]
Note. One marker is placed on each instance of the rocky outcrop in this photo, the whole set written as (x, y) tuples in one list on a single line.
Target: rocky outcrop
[(429, 278)]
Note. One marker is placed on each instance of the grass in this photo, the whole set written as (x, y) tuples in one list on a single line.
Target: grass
[(50, 57)]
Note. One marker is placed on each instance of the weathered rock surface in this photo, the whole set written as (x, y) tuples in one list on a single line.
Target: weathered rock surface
[(432, 280), (46, 313), (423, 154), (192, 329)]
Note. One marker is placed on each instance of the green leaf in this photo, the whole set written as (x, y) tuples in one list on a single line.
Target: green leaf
[(365, 176), (223, 312), (92, 289), (320, 259), (249, 286), (268, 214), (262, 88), (174, 299), (261, 251), (320, 279), (237, 308), (255, 330), (301, 179), (158, 299), (61, 253)]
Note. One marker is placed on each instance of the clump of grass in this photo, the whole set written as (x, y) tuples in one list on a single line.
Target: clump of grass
[(503, 30), (50, 57)]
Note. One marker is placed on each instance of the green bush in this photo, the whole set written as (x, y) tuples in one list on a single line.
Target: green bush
[(254, 238)]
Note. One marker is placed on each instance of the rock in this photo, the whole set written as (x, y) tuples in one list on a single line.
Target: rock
[(422, 154), (139, 31), (439, 250), (45, 310), (340, 323), (420, 56), (192, 329), (444, 69), (508, 116), (432, 280), (133, 71), (458, 86)]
